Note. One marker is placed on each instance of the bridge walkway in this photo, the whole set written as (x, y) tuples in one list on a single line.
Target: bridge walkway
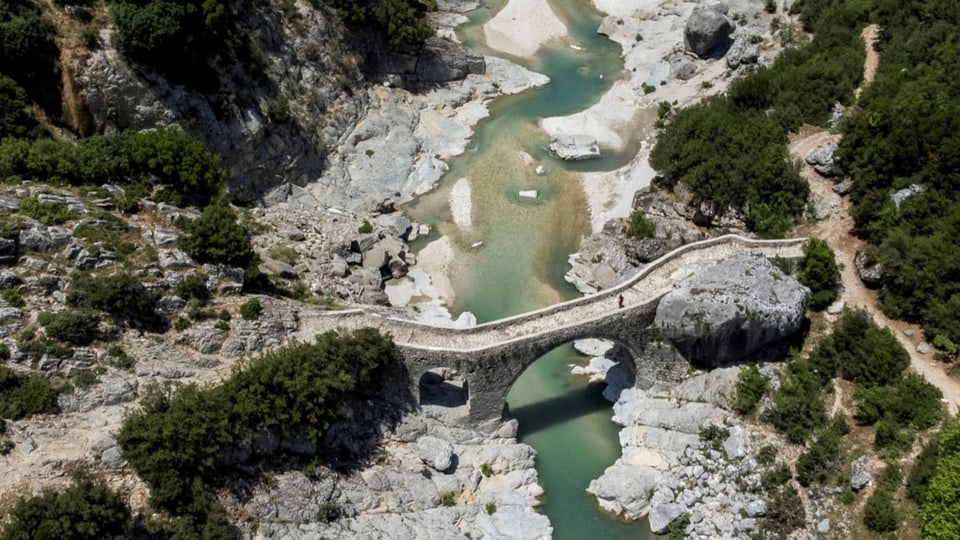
[(654, 280)]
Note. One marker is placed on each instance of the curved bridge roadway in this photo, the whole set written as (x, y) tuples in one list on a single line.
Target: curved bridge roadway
[(491, 356)]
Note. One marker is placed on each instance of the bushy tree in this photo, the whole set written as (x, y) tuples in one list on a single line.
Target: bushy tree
[(16, 120), (879, 514), (639, 227), (23, 395), (87, 510), (74, 326), (941, 505), (818, 270), (860, 351), (217, 237), (179, 38), (798, 404), (751, 386), (121, 295)]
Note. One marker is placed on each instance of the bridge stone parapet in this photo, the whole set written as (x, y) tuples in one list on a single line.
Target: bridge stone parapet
[(491, 356)]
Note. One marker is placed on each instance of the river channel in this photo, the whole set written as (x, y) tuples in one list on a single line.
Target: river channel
[(523, 256)]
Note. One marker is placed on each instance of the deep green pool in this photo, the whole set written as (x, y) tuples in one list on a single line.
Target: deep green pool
[(521, 263)]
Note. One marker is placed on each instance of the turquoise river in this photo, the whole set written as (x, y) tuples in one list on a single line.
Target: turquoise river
[(521, 263)]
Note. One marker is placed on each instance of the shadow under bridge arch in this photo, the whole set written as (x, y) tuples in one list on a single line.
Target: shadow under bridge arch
[(495, 370)]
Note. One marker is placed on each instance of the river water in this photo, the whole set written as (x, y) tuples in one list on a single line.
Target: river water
[(521, 264)]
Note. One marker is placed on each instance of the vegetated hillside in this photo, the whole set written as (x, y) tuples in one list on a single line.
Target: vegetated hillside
[(270, 86), (906, 132), (730, 151)]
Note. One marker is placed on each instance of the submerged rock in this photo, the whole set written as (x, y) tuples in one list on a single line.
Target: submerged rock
[(575, 147)]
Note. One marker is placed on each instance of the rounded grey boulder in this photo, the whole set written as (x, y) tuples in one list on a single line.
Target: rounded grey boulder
[(731, 311), (706, 28), (435, 452)]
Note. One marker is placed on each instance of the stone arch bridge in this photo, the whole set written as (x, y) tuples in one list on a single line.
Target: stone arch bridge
[(491, 356)]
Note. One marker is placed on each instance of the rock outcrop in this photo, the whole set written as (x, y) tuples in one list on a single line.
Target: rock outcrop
[(821, 158), (575, 147), (869, 270), (684, 454), (732, 311), (742, 53), (707, 27)]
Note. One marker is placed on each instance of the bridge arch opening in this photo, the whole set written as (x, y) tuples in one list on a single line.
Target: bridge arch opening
[(568, 382)]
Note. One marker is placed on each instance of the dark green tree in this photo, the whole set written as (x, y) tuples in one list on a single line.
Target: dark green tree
[(120, 295), (87, 510), (217, 237), (818, 270)]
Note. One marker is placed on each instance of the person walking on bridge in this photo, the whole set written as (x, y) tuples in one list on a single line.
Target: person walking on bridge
[(620, 301)]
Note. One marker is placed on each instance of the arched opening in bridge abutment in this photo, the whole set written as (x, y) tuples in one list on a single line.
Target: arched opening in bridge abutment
[(443, 387)]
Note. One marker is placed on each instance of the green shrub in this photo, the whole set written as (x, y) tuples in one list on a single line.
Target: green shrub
[(775, 477), (751, 387), (767, 455), (911, 401), (216, 237), (12, 297), (181, 324), (818, 270), (121, 360), (860, 351), (16, 119), (105, 237), (785, 512), (365, 228), (86, 510), (486, 470), (798, 404), (879, 514), (491, 508), (639, 227), (402, 22), (90, 37), (121, 295), (73, 326), (193, 287), (677, 530), (821, 460), (85, 378), (923, 470), (446, 499), (22, 395), (251, 309), (46, 213)]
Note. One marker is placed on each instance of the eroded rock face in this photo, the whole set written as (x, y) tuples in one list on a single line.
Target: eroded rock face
[(706, 28), (730, 311)]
